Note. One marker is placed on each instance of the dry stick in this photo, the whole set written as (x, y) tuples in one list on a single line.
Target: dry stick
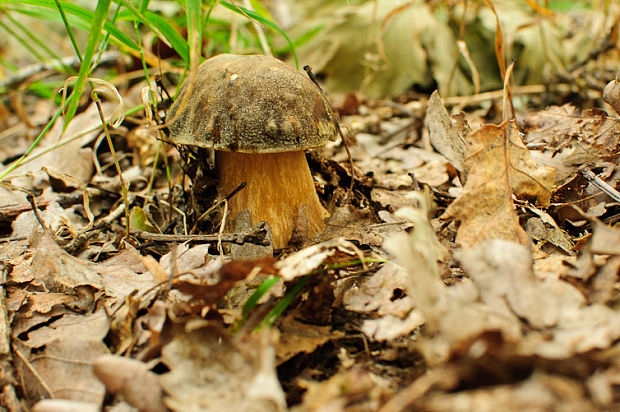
[(498, 94), (312, 77), (600, 184), (221, 231), (5, 348), (344, 143), (448, 90), (73, 61), (254, 236), (174, 270), (308, 70), (216, 205)]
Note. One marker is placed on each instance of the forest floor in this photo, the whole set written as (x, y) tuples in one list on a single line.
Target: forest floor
[(469, 263)]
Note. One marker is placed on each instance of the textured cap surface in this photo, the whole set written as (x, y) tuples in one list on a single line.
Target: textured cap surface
[(252, 104)]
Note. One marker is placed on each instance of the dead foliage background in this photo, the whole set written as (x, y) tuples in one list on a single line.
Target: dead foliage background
[(470, 261)]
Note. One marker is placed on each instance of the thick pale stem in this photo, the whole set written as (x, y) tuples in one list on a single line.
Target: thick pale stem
[(279, 190)]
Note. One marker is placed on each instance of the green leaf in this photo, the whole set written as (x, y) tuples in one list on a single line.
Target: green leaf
[(144, 5), (139, 221)]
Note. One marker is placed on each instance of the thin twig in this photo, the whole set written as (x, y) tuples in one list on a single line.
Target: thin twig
[(36, 374), (113, 152), (222, 226), (600, 184), (344, 143), (256, 236), (259, 30), (37, 214)]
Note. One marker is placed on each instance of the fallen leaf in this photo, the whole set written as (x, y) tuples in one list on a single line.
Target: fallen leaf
[(55, 270), (210, 372), (229, 274), (297, 337), (130, 378), (56, 353), (303, 262), (64, 405), (350, 387), (497, 164), (605, 240), (444, 135)]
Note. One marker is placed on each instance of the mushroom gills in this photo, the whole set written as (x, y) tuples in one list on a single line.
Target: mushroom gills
[(278, 187)]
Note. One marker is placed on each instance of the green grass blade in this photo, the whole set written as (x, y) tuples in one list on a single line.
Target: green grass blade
[(260, 9), (144, 6), (144, 20), (104, 43), (77, 16), (94, 35), (176, 40), (253, 15), (284, 303), (169, 33), (250, 304), (68, 29)]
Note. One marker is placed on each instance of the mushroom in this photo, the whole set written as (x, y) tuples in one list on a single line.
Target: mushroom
[(259, 114)]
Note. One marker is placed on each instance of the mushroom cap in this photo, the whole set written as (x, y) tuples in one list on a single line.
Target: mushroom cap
[(251, 104)]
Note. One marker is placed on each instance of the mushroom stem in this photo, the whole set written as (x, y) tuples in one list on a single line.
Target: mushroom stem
[(279, 190)]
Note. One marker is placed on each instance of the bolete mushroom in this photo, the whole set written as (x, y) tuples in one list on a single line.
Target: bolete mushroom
[(259, 114)]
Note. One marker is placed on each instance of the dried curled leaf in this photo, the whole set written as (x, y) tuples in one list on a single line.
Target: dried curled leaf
[(497, 165)]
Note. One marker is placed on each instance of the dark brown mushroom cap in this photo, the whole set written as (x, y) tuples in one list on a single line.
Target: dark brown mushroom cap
[(252, 104)]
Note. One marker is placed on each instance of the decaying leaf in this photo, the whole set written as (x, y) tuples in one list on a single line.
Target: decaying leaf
[(606, 241), (229, 274), (298, 337), (211, 372), (444, 135), (130, 378), (497, 165), (306, 260), (64, 405), (354, 386), (385, 294), (419, 254), (548, 230), (56, 353), (549, 318), (611, 95), (52, 269)]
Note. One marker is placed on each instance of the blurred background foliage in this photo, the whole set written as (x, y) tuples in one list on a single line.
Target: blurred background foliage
[(380, 48), (384, 47)]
